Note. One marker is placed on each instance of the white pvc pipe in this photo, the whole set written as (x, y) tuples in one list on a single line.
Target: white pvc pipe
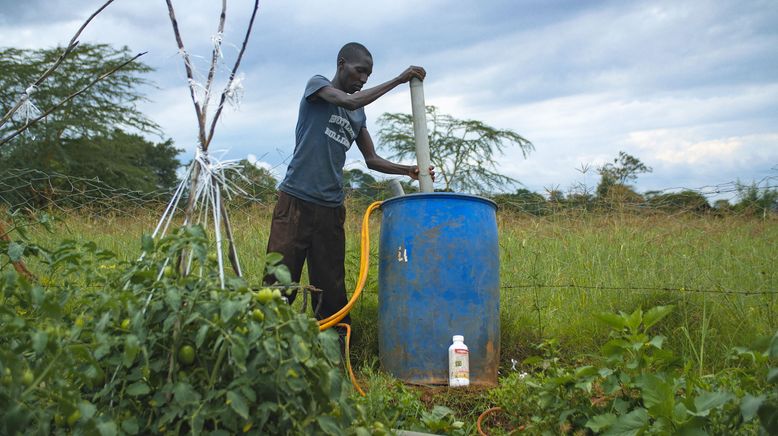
[(420, 132)]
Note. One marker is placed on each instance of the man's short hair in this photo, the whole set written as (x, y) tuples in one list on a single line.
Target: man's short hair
[(350, 51)]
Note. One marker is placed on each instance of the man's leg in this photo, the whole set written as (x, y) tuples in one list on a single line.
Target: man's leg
[(326, 258), (289, 235)]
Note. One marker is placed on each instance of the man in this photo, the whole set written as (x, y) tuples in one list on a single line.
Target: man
[(308, 218)]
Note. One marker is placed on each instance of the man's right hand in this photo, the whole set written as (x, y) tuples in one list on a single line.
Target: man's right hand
[(411, 72)]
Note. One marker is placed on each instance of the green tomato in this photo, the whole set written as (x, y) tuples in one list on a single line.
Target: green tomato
[(27, 377), (169, 271), (186, 354), (74, 417), (264, 295), (126, 324), (258, 315)]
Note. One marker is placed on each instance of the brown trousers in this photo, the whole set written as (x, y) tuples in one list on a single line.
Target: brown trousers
[(302, 231)]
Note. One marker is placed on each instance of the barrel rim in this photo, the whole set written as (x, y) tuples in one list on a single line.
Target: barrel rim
[(423, 195)]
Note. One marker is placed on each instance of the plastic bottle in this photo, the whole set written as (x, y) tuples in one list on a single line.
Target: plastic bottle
[(458, 363)]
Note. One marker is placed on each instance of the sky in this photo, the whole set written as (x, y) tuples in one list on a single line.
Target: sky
[(688, 87)]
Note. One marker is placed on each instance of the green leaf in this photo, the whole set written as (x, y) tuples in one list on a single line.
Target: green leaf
[(131, 348), (772, 351), (772, 375), (657, 341), (229, 308), (87, 409), (273, 258), (147, 243), (656, 314), (39, 340), (201, 335), (749, 405), (329, 425), (634, 319), (586, 371), (631, 424), (283, 275), (15, 251), (612, 320), (173, 298), (707, 401), (238, 404), (183, 393), (768, 417), (130, 426), (601, 422), (107, 428), (658, 394), (137, 389)]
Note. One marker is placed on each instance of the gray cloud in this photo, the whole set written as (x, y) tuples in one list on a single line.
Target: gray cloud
[(689, 87)]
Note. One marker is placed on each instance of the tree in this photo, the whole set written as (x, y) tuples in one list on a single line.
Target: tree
[(119, 161), (756, 199), (523, 200), (462, 151), (111, 103), (622, 170), (257, 182), (686, 200), (88, 137)]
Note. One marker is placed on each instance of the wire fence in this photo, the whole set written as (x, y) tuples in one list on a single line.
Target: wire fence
[(34, 189)]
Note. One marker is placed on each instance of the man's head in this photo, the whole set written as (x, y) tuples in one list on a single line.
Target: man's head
[(355, 64)]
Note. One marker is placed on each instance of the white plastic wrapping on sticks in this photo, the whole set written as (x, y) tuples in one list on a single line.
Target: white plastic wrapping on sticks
[(211, 183)]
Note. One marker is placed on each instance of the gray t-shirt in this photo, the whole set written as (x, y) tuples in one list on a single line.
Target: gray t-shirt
[(324, 133)]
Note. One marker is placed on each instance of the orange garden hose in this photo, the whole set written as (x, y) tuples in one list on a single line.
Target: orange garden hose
[(364, 263)]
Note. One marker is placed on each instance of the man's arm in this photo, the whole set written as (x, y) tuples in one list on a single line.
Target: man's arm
[(365, 97), (377, 163)]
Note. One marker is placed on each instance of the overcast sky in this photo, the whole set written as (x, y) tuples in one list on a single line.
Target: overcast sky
[(689, 87)]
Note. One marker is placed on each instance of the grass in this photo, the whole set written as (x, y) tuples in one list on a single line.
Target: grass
[(556, 272)]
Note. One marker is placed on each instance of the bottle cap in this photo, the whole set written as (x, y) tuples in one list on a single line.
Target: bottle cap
[(459, 338)]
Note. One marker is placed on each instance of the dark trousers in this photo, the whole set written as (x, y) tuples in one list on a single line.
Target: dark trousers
[(302, 231)]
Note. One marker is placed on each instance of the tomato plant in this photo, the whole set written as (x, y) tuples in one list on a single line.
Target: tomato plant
[(110, 347)]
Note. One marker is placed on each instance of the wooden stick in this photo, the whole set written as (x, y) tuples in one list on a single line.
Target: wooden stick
[(234, 71), (233, 253), (18, 265), (189, 75), (214, 57)]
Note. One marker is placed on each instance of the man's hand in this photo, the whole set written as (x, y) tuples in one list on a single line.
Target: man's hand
[(414, 173), (411, 72)]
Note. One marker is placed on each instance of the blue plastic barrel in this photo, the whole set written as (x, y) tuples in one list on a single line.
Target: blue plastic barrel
[(438, 277)]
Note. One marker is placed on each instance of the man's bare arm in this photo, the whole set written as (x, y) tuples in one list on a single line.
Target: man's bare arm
[(377, 163), (365, 97)]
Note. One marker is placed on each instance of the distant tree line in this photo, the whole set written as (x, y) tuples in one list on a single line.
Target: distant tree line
[(101, 134)]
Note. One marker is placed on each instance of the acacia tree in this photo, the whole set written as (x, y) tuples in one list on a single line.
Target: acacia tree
[(93, 134), (110, 103), (624, 169), (462, 151)]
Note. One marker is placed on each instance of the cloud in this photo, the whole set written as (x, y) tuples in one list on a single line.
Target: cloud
[(689, 87)]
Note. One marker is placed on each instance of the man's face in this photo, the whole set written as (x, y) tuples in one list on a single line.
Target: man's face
[(356, 72)]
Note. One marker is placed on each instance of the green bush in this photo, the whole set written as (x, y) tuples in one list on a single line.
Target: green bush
[(635, 386), (104, 347)]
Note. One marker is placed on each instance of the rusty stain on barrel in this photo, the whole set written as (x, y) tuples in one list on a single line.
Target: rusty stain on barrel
[(446, 282)]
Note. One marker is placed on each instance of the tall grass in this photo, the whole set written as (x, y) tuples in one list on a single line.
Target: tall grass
[(556, 273)]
